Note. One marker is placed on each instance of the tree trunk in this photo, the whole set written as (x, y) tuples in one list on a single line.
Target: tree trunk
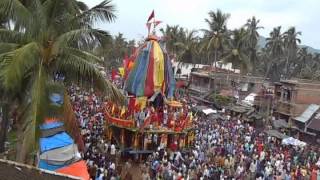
[(253, 62), (215, 59), (288, 61), (20, 153), (4, 126)]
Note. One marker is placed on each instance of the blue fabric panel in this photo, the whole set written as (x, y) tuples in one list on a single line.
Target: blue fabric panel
[(131, 76), (139, 76), (56, 141), (51, 125), (142, 79), (169, 77), (44, 165)]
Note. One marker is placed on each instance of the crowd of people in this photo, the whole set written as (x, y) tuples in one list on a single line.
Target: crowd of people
[(101, 156), (232, 149), (224, 148)]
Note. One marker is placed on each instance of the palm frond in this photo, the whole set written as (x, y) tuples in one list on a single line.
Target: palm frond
[(77, 69), (37, 111), (103, 12), (15, 64), (6, 47), (83, 54), (80, 38), (16, 12), (82, 6), (12, 36)]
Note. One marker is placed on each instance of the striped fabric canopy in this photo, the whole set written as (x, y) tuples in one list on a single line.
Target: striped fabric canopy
[(151, 72)]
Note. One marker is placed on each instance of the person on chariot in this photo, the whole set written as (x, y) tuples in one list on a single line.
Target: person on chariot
[(165, 116)]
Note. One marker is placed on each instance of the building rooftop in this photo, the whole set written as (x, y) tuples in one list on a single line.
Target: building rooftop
[(300, 81), (206, 73), (308, 113), (315, 124)]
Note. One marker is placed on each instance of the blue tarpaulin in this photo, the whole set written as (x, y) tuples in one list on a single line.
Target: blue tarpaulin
[(56, 141), (56, 99), (51, 125), (44, 165)]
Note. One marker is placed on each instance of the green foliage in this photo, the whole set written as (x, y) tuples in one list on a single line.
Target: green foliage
[(281, 57), (45, 38), (216, 37), (219, 100), (236, 52), (114, 49)]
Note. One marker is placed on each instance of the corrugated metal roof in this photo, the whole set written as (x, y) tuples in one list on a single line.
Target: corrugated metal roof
[(315, 124), (307, 114)]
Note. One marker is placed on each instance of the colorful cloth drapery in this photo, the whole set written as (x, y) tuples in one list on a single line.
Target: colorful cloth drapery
[(119, 122), (151, 71)]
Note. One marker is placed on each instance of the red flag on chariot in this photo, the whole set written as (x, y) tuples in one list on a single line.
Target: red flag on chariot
[(151, 16)]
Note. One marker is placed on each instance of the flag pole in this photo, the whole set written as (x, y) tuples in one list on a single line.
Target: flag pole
[(154, 25)]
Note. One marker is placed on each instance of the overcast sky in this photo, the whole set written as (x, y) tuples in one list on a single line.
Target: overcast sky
[(132, 15)]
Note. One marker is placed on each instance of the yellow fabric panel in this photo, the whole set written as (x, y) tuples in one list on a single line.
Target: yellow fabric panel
[(121, 71), (158, 76), (112, 109), (142, 101), (123, 110)]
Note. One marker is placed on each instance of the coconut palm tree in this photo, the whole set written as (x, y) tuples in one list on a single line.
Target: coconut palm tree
[(216, 36), (264, 65), (236, 51), (172, 34), (252, 39), (275, 42), (304, 59), (291, 42), (275, 49), (188, 45), (49, 37)]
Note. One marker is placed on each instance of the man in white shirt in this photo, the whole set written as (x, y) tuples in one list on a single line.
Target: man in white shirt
[(253, 168), (113, 151), (268, 170), (113, 166), (206, 172), (179, 156), (239, 170)]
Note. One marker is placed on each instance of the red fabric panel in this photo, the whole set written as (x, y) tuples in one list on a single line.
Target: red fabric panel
[(131, 105), (149, 85), (145, 124), (180, 84), (113, 74), (119, 122), (78, 169), (125, 63)]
